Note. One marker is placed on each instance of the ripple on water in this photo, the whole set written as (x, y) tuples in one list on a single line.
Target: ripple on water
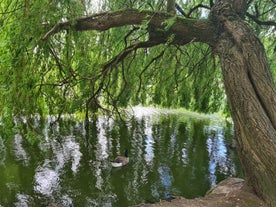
[(19, 151), (46, 180), (22, 200)]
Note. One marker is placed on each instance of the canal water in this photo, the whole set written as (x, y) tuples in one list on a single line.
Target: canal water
[(171, 153)]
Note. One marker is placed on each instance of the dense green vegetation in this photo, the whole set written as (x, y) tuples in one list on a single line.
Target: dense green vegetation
[(78, 71), (165, 53)]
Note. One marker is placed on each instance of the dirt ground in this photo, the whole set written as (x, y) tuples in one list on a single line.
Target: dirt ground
[(232, 192)]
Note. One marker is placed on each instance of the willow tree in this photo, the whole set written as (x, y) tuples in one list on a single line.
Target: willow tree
[(150, 29), (248, 82)]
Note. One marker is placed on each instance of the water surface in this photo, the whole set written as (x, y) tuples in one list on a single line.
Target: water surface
[(171, 153)]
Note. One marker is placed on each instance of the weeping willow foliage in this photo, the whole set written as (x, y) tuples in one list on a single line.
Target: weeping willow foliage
[(69, 73)]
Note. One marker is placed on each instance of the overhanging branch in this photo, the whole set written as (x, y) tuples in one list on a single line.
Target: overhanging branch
[(185, 30)]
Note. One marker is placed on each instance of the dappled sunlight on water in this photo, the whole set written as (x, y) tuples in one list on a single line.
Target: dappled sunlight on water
[(19, 151), (171, 153), (217, 152), (46, 179), (22, 200)]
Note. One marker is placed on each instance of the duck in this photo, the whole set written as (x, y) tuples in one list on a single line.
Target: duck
[(120, 160)]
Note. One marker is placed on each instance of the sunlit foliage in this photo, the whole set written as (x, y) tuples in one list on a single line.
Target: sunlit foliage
[(69, 73)]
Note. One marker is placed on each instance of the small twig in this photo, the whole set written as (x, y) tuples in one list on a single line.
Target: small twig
[(259, 22), (180, 10), (197, 7), (188, 15), (55, 29), (147, 66), (129, 33), (118, 58)]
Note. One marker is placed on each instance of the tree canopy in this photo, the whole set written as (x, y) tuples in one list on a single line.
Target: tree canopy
[(60, 57), (75, 72)]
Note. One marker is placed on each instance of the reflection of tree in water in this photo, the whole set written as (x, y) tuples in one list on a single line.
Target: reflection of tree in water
[(220, 164), (166, 180), (169, 155), (2, 151)]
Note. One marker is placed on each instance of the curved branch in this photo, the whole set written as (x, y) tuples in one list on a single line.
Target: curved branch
[(259, 22), (179, 8), (185, 29), (56, 29), (146, 67), (188, 15), (197, 7), (118, 58), (101, 22)]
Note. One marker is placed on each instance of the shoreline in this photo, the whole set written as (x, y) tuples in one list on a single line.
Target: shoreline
[(230, 192)]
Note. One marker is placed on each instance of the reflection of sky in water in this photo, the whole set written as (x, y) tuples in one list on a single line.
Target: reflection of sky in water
[(67, 151), (146, 114), (47, 180), (2, 151), (149, 155), (47, 175), (19, 151), (152, 146), (22, 200), (101, 151), (102, 140), (66, 201), (185, 158), (218, 160), (149, 148), (166, 179), (70, 151), (217, 150)]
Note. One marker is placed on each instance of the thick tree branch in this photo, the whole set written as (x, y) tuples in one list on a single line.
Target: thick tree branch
[(185, 30)]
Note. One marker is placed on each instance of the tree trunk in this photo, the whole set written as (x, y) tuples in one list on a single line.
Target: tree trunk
[(251, 95)]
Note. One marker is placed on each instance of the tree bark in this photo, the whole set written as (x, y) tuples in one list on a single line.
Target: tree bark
[(185, 30), (252, 98)]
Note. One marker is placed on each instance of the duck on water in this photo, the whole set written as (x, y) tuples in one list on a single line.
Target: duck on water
[(120, 160)]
